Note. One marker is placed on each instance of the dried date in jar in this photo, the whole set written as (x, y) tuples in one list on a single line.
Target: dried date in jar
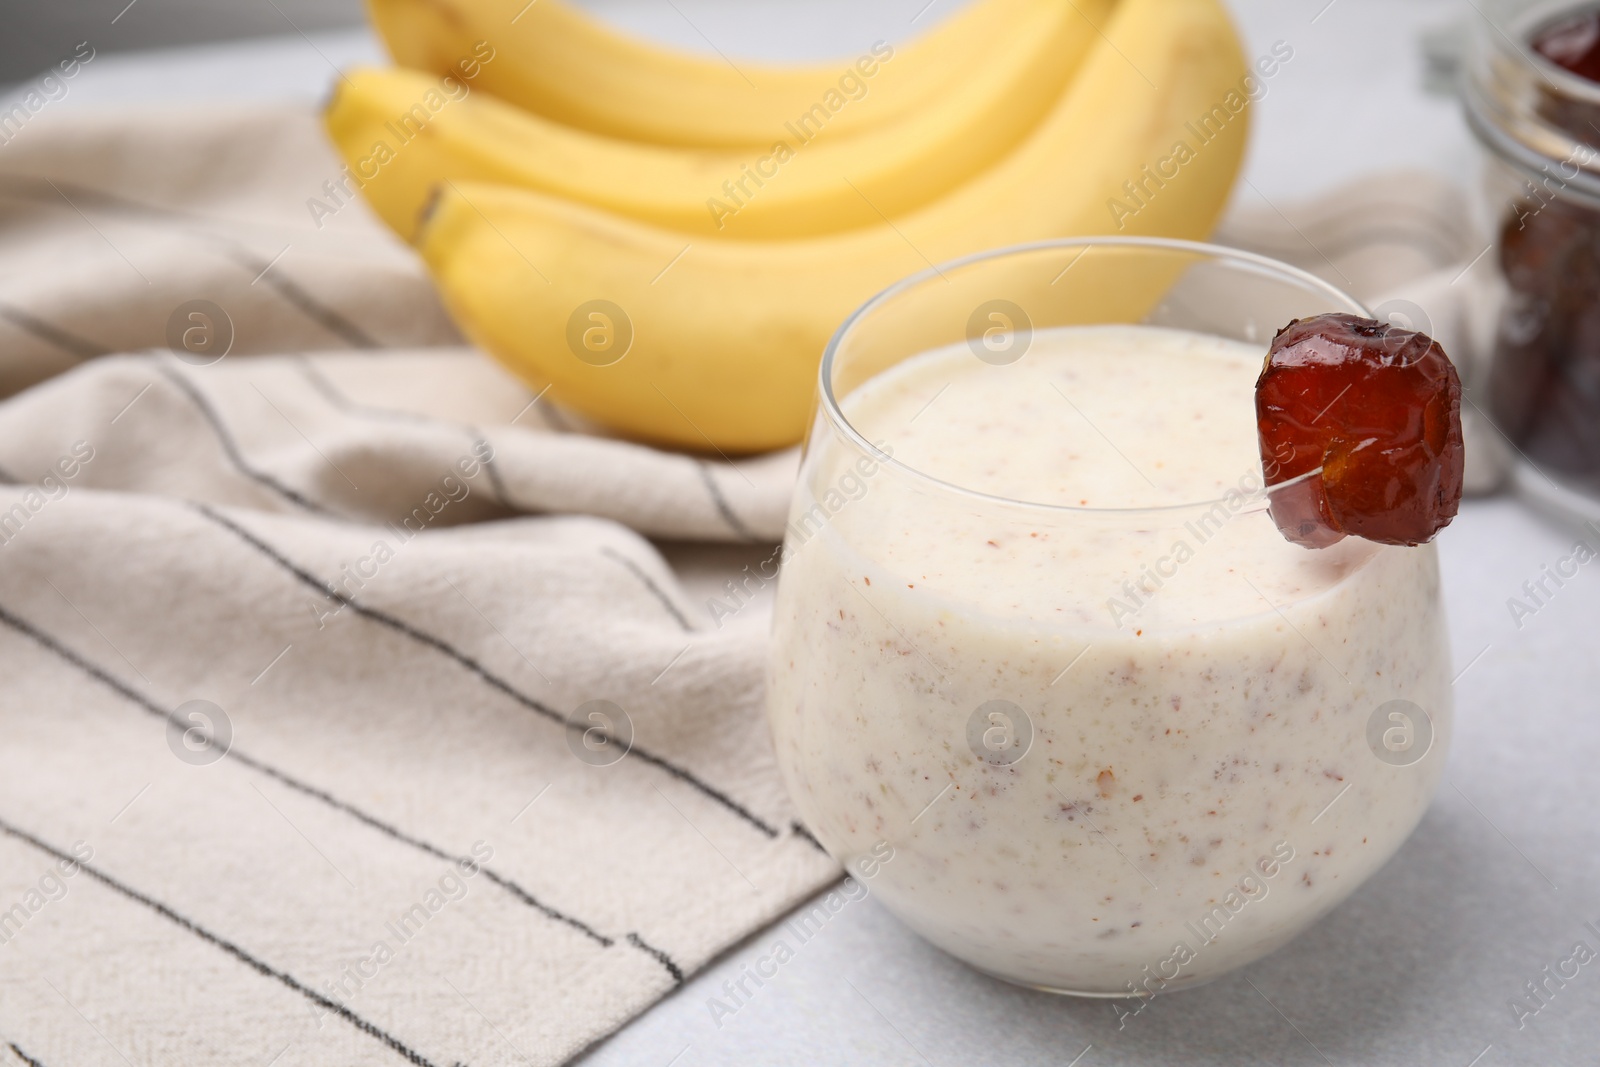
[(1545, 378), (1531, 100)]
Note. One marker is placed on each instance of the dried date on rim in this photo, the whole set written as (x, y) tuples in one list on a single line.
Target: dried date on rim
[(1377, 409)]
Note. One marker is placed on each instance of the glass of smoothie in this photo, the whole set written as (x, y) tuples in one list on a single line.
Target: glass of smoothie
[(1044, 669)]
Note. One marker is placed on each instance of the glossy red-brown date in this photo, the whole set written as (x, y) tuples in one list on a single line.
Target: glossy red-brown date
[(1378, 409)]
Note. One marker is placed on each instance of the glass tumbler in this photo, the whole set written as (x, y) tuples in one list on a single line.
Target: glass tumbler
[(1099, 751)]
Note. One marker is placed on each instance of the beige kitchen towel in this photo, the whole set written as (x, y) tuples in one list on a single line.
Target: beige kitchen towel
[(347, 716), (339, 726)]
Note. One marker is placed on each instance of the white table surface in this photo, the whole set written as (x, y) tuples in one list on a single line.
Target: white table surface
[(1419, 966)]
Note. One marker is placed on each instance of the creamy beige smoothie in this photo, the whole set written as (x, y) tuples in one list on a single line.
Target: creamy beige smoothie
[(1119, 740)]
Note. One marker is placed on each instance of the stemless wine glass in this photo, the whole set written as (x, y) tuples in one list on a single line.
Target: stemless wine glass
[(1106, 751)]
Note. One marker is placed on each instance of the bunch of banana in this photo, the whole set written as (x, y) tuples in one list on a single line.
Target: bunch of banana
[(789, 188), (657, 293), (563, 65)]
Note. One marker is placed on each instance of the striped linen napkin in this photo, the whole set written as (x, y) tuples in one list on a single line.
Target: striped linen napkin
[(292, 638)]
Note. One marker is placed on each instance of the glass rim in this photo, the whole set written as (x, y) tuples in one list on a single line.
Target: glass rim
[(1504, 86), (1525, 24), (840, 422)]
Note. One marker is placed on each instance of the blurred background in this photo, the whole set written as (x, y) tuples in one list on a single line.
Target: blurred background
[(37, 33), (44, 31), (1394, 60)]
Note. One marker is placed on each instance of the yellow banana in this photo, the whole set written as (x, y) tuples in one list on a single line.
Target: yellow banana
[(715, 343), (402, 133), (552, 59)]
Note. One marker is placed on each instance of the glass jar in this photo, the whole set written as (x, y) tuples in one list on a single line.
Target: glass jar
[(1541, 124), (1101, 750)]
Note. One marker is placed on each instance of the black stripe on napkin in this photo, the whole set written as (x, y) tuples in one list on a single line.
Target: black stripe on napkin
[(649, 583), (666, 961), (299, 299), (474, 667), (24, 1057), (721, 502), (191, 927), (195, 226), (51, 334), (334, 396), (231, 448), (800, 831), (109, 680)]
